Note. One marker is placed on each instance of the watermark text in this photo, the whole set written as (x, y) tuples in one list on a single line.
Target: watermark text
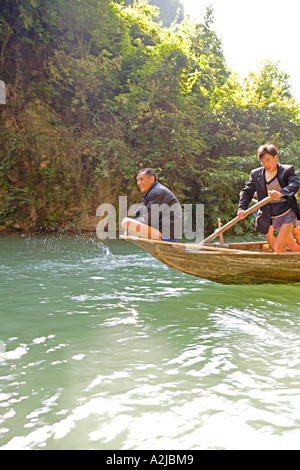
[(174, 222)]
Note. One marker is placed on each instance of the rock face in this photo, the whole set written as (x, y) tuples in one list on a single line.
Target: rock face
[(51, 180)]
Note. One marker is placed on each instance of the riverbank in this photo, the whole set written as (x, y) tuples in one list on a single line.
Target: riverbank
[(87, 224)]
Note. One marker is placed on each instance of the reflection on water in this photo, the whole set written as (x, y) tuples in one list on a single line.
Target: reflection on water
[(103, 347)]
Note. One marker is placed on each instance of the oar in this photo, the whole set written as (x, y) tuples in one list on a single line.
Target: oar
[(230, 224)]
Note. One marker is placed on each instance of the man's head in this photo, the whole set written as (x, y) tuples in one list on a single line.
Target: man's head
[(268, 156), (145, 179)]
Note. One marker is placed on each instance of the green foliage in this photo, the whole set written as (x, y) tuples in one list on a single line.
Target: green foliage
[(170, 11), (98, 89), (290, 155), (260, 110), (221, 184)]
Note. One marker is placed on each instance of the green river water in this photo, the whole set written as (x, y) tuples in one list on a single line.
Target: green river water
[(103, 347)]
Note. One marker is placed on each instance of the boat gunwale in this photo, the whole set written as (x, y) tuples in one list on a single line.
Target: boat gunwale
[(215, 249)]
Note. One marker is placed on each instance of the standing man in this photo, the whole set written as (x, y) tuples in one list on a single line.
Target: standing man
[(159, 216), (281, 183)]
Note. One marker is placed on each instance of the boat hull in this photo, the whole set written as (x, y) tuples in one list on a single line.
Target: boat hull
[(257, 266)]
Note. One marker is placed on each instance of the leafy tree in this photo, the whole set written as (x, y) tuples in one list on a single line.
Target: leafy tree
[(268, 93), (170, 11), (258, 110), (98, 89)]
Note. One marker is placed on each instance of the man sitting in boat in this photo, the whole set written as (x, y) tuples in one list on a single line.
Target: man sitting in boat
[(281, 183), (159, 216)]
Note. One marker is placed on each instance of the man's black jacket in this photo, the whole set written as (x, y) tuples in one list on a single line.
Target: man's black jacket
[(289, 183), (160, 209)]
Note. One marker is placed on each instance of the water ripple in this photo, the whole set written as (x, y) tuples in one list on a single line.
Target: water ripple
[(103, 347)]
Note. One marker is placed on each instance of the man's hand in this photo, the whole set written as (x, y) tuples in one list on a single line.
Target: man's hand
[(241, 215), (275, 195)]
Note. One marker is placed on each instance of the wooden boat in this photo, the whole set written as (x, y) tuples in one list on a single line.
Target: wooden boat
[(232, 263)]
